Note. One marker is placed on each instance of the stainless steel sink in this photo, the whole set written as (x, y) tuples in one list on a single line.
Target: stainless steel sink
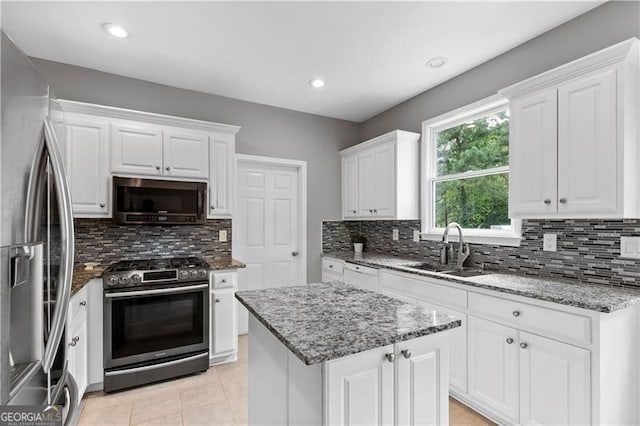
[(465, 273), (425, 266), (443, 269)]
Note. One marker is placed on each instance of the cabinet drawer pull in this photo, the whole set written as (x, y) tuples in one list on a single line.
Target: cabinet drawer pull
[(390, 357), (406, 353), (509, 340), (516, 313), (523, 345)]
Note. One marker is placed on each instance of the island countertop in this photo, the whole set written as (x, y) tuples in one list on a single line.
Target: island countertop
[(325, 321)]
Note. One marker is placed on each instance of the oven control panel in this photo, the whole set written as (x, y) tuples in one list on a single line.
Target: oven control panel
[(164, 276)]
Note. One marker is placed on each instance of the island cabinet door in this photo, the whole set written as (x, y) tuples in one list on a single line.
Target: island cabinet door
[(360, 388), (493, 367), (422, 380), (555, 382)]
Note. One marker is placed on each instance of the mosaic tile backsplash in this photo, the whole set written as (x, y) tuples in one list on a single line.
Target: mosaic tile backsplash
[(588, 250), (101, 240)]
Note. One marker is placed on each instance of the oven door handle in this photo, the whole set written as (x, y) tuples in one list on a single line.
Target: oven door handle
[(156, 291), (155, 366)]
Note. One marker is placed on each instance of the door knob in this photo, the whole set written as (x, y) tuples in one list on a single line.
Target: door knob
[(294, 254)]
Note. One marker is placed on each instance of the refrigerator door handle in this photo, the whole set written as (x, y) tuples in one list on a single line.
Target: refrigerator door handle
[(67, 385), (63, 291)]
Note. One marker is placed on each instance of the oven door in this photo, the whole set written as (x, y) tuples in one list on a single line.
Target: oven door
[(143, 326)]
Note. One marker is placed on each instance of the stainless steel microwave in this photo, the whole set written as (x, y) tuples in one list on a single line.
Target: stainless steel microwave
[(158, 202)]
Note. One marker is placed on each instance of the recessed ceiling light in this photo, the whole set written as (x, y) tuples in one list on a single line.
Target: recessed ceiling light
[(115, 30), (437, 62), (317, 83)]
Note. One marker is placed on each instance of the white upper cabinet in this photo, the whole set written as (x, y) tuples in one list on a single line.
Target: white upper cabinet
[(350, 186), (221, 174), (573, 138), (87, 165), (380, 178), (104, 141), (136, 148), (186, 154)]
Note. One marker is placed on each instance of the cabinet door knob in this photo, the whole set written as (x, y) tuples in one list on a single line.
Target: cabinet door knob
[(375, 210), (516, 313), (370, 211), (224, 280), (213, 207), (83, 303), (102, 205), (406, 353), (354, 212), (523, 345), (509, 340), (547, 201), (217, 300), (157, 167), (563, 200), (167, 168), (294, 253), (390, 357), (331, 266)]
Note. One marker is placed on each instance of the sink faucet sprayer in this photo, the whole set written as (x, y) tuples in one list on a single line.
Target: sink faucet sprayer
[(463, 248)]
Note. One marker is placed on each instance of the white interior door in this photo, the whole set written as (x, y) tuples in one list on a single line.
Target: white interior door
[(267, 228)]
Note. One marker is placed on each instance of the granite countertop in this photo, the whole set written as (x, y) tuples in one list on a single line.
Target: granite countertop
[(594, 297), (324, 321), (220, 264), (82, 276)]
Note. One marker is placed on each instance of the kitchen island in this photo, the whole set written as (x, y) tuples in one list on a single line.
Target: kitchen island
[(335, 354)]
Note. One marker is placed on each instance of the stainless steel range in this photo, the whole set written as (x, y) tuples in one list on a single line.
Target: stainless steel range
[(156, 320)]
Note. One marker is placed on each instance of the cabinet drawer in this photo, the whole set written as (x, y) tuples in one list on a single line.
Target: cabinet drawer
[(224, 279), (362, 269), (78, 303), (548, 322), (333, 266), (424, 290)]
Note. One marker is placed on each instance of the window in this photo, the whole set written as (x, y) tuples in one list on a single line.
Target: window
[(466, 173)]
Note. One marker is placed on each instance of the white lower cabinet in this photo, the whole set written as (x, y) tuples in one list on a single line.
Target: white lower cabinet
[(405, 382), (554, 382), (493, 366), (332, 270), (223, 325), (223, 334), (77, 341), (357, 383), (524, 361)]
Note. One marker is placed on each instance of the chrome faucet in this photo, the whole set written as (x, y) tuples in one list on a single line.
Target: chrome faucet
[(463, 248)]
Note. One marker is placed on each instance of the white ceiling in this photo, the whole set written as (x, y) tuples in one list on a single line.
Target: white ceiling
[(371, 54)]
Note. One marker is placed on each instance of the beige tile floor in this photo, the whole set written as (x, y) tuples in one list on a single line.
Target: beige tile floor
[(217, 397)]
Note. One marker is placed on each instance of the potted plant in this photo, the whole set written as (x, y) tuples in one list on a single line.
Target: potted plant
[(358, 241)]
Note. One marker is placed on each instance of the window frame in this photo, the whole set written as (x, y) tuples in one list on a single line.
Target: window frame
[(429, 177)]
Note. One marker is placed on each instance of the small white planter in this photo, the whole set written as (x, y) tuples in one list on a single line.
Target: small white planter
[(357, 247)]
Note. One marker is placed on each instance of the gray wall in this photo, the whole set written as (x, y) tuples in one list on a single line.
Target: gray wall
[(601, 27), (265, 130)]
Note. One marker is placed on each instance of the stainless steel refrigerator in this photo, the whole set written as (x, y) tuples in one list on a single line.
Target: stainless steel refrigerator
[(36, 241)]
